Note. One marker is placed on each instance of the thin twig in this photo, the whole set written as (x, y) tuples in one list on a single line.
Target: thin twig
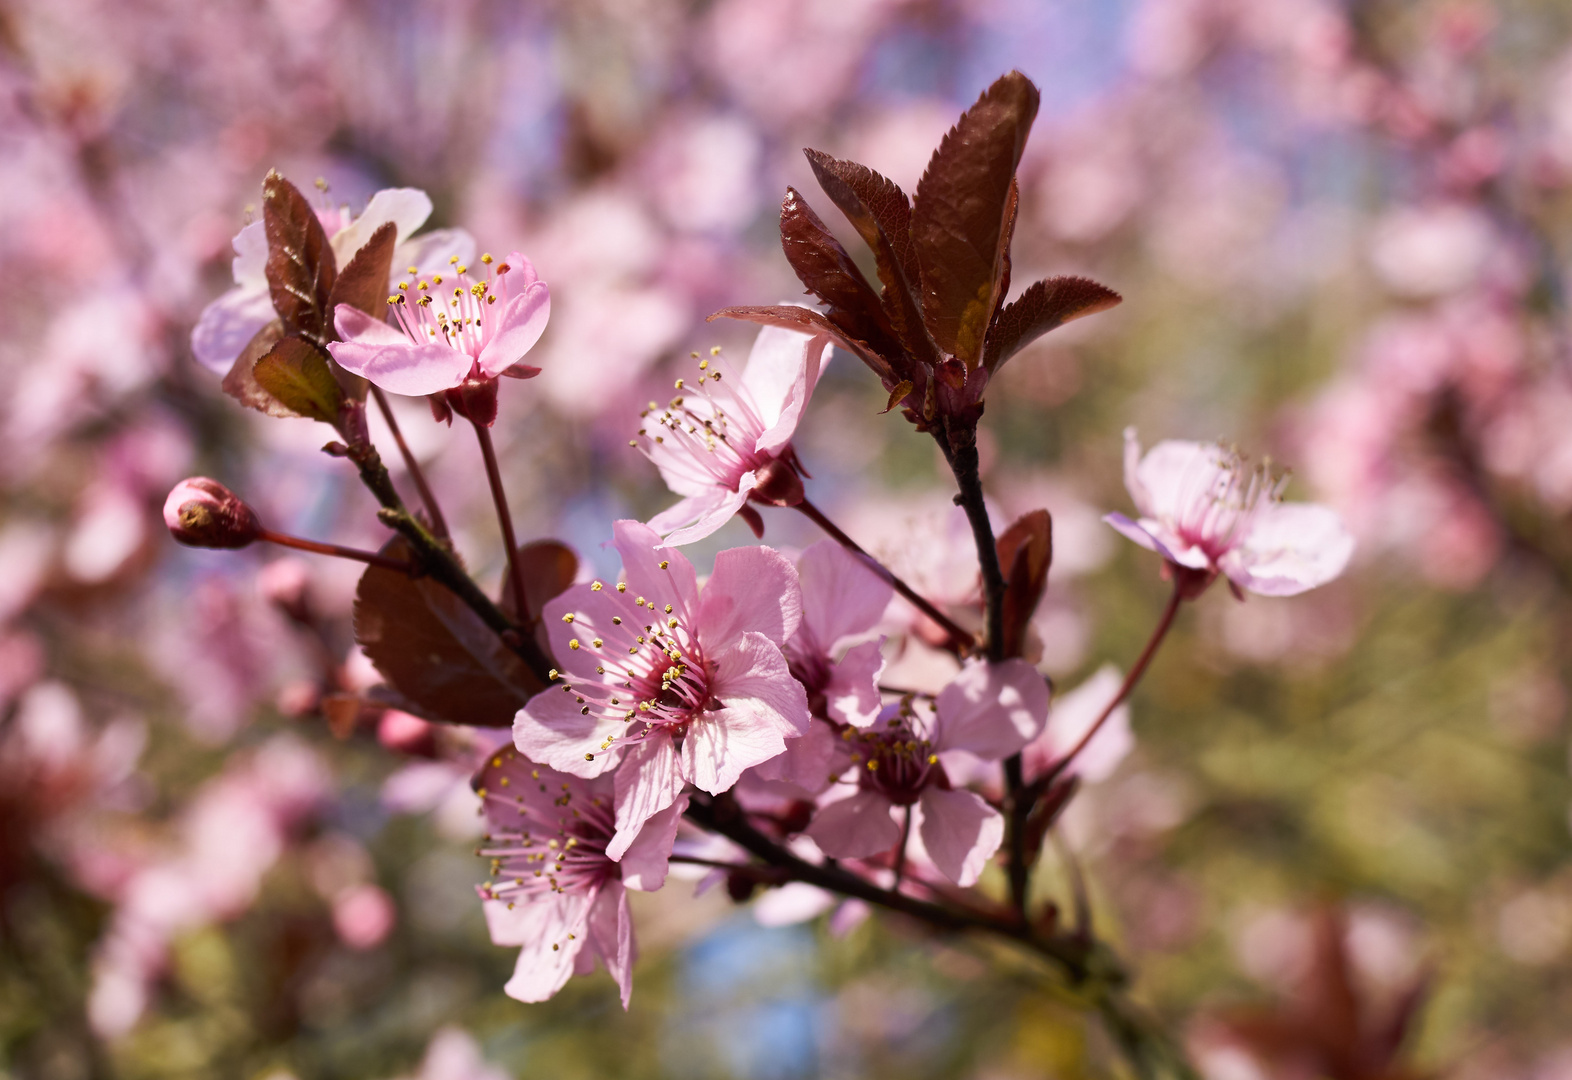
[(500, 499), (962, 640), (337, 550), (439, 527)]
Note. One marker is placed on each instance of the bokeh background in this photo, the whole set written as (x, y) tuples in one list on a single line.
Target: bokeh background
[(1343, 231)]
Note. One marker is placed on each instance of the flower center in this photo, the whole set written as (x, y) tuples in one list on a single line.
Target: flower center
[(447, 309), (708, 431), (559, 845), (1220, 499), (896, 762)]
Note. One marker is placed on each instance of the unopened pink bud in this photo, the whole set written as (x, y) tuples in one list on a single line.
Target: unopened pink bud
[(204, 513)]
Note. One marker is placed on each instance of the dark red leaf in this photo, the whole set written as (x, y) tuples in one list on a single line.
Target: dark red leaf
[(435, 651), (958, 219), (879, 211), (549, 567), (829, 273), (808, 321), (241, 383), (364, 281), (296, 374), (1025, 553), (300, 264), (1042, 307)]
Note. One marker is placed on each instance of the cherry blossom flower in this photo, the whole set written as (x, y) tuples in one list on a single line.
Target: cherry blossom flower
[(1205, 508), (554, 888), (990, 711), (713, 439), (229, 323), (454, 333), (667, 684)]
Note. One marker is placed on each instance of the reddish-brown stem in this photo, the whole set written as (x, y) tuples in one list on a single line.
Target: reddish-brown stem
[(439, 527), (370, 557), (962, 640), (500, 499), (1139, 669)]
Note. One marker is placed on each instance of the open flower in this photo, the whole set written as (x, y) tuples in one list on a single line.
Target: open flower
[(990, 711), (714, 438), (1205, 508), (229, 323), (553, 888), (456, 334), (668, 684)]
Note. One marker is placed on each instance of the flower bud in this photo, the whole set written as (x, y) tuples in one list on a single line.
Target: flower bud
[(204, 513)]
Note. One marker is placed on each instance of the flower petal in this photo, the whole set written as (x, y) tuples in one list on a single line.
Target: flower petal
[(852, 694), (227, 326), (992, 710), (610, 932), (856, 827), (841, 595), (752, 589), (647, 783), (643, 554), (782, 371), (406, 208), (760, 707), (1290, 548), (699, 516), (557, 933), (1072, 714), (376, 351), (960, 832), (551, 730), (250, 262), (645, 862), (431, 250), (515, 329)]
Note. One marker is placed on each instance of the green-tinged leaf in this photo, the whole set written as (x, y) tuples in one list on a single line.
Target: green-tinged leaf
[(300, 265), (829, 273), (1025, 553), (879, 211), (899, 393), (1042, 307), (960, 214), (241, 383), (549, 567), (435, 651), (296, 373), (808, 321)]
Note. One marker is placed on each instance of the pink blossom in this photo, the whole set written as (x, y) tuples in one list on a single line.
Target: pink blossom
[(664, 683), (555, 888), (714, 437), (1205, 508), (231, 321), (453, 330), (990, 711), (841, 598)]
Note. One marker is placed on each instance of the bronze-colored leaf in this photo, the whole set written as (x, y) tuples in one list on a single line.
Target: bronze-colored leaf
[(549, 567), (295, 372), (808, 321), (1025, 553), (959, 215), (879, 211), (241, 383), (364, 280), (300, 264), (435, 651), (829, 273), (899, 393), (1042, 307)]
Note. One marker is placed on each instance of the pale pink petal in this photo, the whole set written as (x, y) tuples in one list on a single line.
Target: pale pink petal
[(782, 371), (792, 903), (227, 326), (1072, 715), (1132, 531), (520, 276), (1132, 472), (1173, 474), (1291, 547), (394, 362), (647, 783), (250, 262), (695, 518), (548, 958), (642, 557), (753, 589), (760, 706), (517, 328), (610, 931), (550, 730), (406, 208), (960, 832), (806, 762), (841, 596), (852, 694), (645, 862), (855, 828), (992, 710)]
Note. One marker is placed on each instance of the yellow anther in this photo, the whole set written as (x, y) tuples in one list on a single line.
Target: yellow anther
[(622, 586), (574, 644), (596, 587), (715, 350), (453, 260), (597, 643), (664, 563), (486, 258), (568, 617)]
